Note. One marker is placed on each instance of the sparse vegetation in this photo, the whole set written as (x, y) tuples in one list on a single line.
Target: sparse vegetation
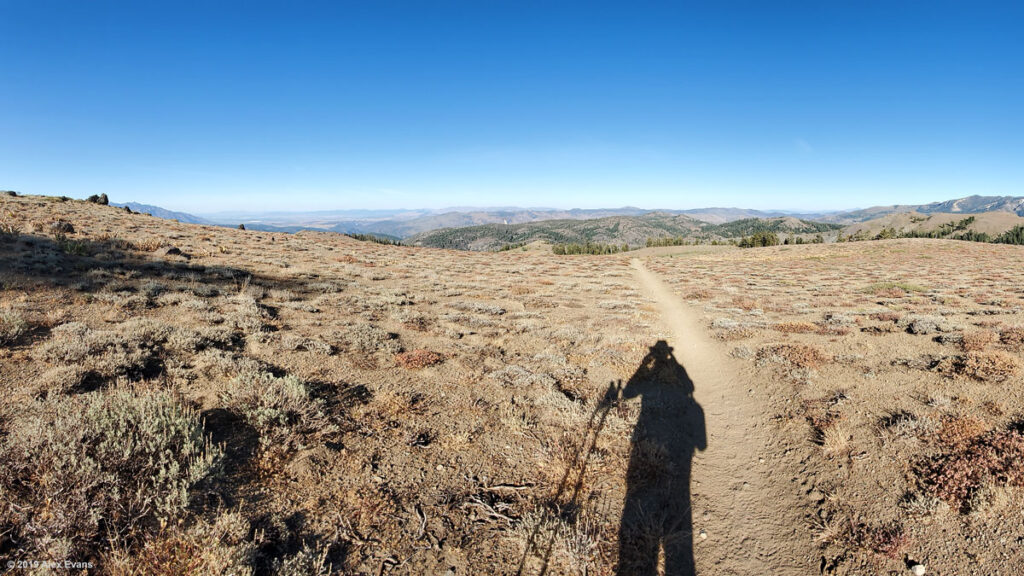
[(315, 378), (376, 239), (588, 248)]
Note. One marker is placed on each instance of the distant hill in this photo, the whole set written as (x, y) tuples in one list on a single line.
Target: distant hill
[(415, 225), (405, 228), (968, 205), (407, 223), (948, 224), (631, 230), (163, 213), (723, 215)]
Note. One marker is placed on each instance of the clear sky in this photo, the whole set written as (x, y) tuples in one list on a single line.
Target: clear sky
[(214, 105)]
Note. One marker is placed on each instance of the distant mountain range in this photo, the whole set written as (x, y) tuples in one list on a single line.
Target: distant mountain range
[(414, 225), (162, 213), (968, 205)]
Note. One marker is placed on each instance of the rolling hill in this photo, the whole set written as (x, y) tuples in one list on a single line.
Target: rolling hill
[(631, 230), (946, 224), (968, 205)]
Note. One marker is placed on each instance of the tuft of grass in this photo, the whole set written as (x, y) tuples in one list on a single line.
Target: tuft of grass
[(892, 288)]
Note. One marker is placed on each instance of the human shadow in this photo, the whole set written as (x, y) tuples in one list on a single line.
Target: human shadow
[(656, 517)]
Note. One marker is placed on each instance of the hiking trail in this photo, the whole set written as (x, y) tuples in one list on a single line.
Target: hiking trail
[(742, 498)]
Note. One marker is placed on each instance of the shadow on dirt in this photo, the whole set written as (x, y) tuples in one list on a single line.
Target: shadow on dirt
[(656, 518), (656, 524)]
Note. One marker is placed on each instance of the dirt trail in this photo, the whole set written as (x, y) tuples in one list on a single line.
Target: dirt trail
[(743, 497)]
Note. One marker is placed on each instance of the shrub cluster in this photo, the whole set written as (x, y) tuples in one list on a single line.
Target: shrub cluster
[(90, 471), (958, 476)]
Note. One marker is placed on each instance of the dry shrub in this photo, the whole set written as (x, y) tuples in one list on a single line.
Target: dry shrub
[(149, 244), (986, 462), (419, 358), (886, 317), (102, 468), (887, 540), (367, 339), (794, 355), (744, 303), (980, 366), (796, 327), (283, 410), (728, 329), (891, 292), (699, 294), (295, 343), (1013, 337), (222, 549), (12, 327), (977, 341), (956, 430)]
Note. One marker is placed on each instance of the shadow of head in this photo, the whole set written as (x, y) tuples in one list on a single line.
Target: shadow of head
[(659, 369)]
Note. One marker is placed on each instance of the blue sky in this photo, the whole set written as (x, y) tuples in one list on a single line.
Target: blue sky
[(208, 106)]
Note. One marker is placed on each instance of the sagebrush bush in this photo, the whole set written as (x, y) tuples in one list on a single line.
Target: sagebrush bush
[(12, 327), (295, 342), (478, 307), (9, 231), (281, 409), (367, 338), (95, 469)]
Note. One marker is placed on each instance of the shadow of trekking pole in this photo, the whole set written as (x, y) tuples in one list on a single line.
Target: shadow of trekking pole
[(579, 464)]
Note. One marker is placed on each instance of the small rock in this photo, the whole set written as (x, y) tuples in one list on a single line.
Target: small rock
[(440, 468), (917, 570), (703, 535), (168, 251), (62, 227)]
